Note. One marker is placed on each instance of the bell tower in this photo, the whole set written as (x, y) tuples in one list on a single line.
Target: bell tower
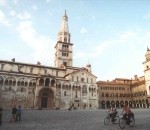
[(147, 71), (63, 47)]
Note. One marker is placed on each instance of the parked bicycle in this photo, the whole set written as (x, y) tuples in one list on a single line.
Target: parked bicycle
[(128, 120), (109, 119)]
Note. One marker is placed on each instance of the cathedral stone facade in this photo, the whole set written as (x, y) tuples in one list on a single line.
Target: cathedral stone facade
[(40, 86)]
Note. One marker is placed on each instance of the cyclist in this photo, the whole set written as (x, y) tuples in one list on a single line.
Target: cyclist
[(127, 112), (112, 112)]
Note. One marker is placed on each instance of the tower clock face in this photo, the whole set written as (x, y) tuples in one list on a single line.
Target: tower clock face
[(65, 33)]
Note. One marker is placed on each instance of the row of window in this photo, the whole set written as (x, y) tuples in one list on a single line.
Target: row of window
[(11, 89), (76, 94), (113, 88), (82, 79), (123, 95), (139, 94), (19, 83), (78, 88), (65, 39), (115, 95), (84, 88), (65, 54), (46, 82), (42, 82), (65, 46)]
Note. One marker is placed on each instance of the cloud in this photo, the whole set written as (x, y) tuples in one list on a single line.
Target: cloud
[(128, 50), (3, 2), (127, 35), (93, 17), (3, 19), (127, 38), (83, 30), (34, 7), (148, 34), (39, 43), (15, 1), (147, 16), (13, 13), (92, 52), (98, 50), (24, 16), (48, 1)]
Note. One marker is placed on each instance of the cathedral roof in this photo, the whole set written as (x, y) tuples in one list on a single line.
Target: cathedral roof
[(80, 70)]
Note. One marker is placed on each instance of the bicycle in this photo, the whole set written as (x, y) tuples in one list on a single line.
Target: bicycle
[(109, 118), (126, 121)]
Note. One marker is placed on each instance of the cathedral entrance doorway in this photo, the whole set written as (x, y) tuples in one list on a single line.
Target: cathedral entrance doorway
[(46, 98)]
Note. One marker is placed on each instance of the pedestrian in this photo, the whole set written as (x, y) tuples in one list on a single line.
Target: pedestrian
[(19, 112), (14, 112), (1, 109)]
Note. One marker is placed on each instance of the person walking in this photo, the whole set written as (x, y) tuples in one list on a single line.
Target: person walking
[(19, 112), (14, 112), (1, 109)]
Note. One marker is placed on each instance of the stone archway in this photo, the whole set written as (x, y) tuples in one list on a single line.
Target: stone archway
[(108, 104), (103, 104), (46, 98), (117, 104)]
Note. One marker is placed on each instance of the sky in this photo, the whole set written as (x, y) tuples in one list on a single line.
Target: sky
[(111, 35)]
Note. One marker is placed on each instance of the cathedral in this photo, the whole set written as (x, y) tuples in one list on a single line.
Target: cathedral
[(38, 86)]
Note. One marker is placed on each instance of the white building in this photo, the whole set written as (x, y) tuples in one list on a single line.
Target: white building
[(146, 65), (39, 86)]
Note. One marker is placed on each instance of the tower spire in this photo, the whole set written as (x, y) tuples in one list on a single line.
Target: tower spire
[(65, 14), (64, 24), (63, 53)]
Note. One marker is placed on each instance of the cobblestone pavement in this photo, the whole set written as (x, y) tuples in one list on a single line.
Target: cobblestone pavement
[(71, 120)]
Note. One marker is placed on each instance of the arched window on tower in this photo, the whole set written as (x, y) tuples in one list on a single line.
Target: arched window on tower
[(65, 39)]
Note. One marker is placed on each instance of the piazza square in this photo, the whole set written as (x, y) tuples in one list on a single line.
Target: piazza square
[(72, 120), (66, 96)]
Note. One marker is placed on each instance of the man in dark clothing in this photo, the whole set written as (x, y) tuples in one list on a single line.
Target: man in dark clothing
[(14, 112), (19, 112), (1, 109)]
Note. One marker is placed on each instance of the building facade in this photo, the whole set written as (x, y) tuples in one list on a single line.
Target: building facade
[(133, 92), (139, 94), (116, 92), (40, 86)]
